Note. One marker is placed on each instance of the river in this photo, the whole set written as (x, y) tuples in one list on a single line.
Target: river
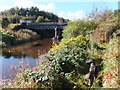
[(27, 53)]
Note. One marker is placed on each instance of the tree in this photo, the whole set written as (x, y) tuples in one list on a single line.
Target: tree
[(40, 19), (99, 15), (30, 13), (5, 22), (33, 11), (22, 12)]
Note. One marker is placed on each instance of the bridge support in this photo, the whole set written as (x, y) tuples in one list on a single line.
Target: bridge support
[(56, 36), (56, 32)]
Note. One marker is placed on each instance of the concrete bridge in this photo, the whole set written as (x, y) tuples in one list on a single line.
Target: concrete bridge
[(46, 29)]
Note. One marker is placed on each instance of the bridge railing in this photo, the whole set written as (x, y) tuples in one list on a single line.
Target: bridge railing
[(48, 23)]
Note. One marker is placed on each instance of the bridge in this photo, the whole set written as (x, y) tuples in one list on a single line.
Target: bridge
[(46, 25), (46, 29)]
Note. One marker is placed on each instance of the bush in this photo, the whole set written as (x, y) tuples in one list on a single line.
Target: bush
[(5, 22), (110, 75), (2, 44), (27, 34), (105, 30), (12, 26), (69, 55), (40, 19), (14, 19), (68, 59), (75, 28), (10, 37)]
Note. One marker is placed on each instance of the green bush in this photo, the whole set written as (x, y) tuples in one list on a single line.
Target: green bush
[(68, 59), (111, 57), (14, 19), (40, 19), (75, 28), (27, 34), (10, 37), (12, 26), (5, 22), (2, 44)]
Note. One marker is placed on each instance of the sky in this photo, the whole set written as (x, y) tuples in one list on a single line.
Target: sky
[(68, 9)]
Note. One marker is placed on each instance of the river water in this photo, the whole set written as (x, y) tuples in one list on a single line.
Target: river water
[(27, 53)]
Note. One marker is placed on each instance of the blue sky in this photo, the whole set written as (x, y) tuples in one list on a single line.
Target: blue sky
[(69, 9)]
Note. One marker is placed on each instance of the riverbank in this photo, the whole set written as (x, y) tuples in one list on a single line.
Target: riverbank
[(10, 37)]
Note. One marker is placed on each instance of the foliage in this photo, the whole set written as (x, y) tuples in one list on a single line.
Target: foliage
[(68, 58), (10, 37), (117, 13), (64, 66), (72, 53), (41, 76), (78, 27), (40, 19), (12, 26), (14, 19), (29, 18), (110, 75), (24, 35), (2, 44), (100, 15), (5, 22), (105, 30), (32, 13), (47, 20)]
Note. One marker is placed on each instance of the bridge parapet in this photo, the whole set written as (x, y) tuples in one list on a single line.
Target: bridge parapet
[(48, 23)]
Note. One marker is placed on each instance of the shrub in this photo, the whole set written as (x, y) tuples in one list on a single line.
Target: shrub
[(40, 19), (68, 59), (12, 26), (75, 28), (14, 19), (110, 75), (27, 34), (10, 37), (105, 30), (5, 22), (2, 44)]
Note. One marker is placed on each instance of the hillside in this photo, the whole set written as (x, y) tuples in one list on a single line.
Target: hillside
[(15, 14)]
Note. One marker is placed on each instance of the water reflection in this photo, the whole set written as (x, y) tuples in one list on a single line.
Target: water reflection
[(27, 52)]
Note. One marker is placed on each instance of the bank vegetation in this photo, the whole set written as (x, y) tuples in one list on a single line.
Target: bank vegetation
[(94, 38)]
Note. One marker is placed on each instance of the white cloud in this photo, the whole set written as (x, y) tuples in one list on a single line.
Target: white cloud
[(50, 7), (23, 3), (72, 15), (2, 8), (27, 4)]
